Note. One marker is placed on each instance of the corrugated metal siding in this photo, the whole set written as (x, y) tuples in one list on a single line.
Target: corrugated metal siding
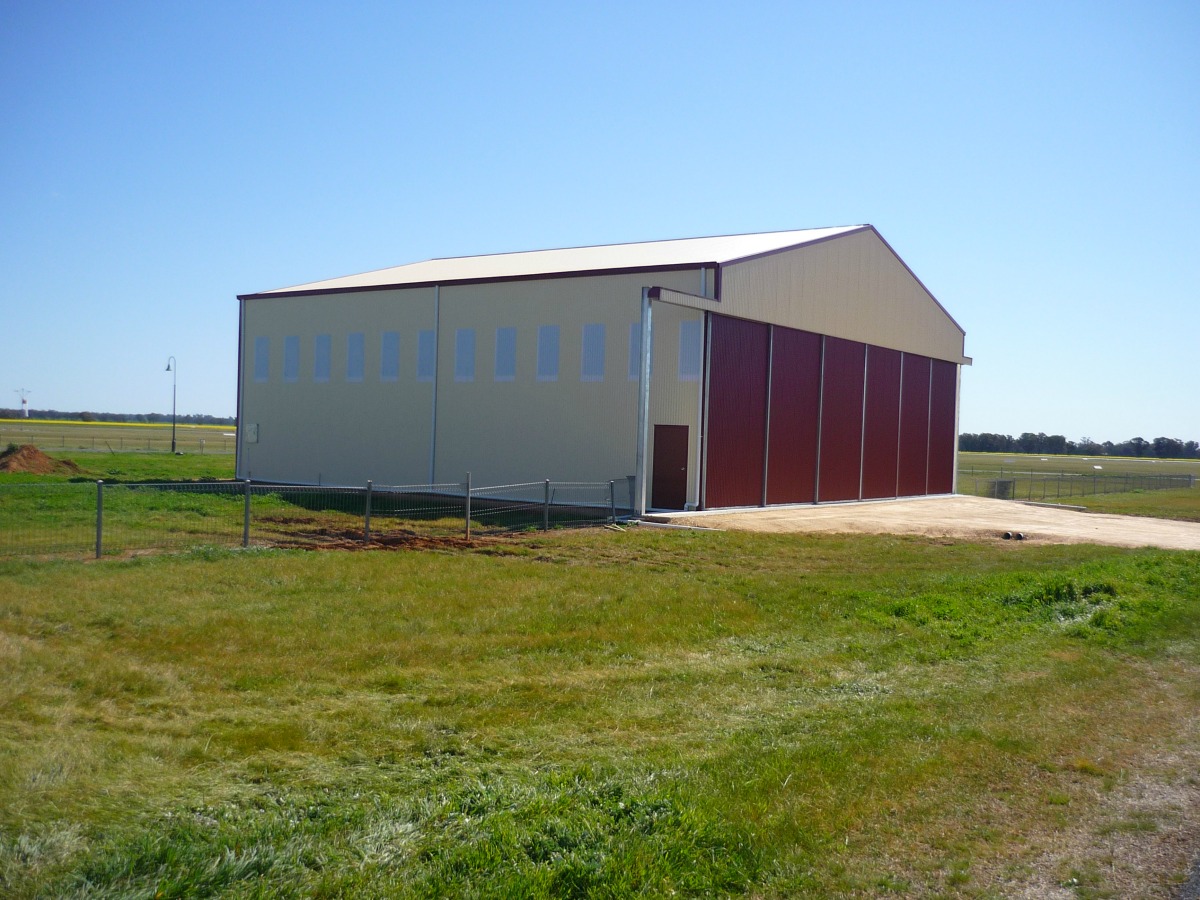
[(914, 425), (337, 432), (673, 401), (841, 419), (942, 391), (882, 423), (736, 413), (795, 407), (851, 287)]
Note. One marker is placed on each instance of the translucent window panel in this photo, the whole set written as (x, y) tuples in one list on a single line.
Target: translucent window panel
[(690, 341), (547, 353), (389, 356), (464, 354), (355, 356), (262, 358), (591, 366), (322, 351), (291, 358), (506, 354), (426, 355)]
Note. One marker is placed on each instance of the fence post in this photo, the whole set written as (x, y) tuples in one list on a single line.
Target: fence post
[(546, 507), (99, 518), (367, 516), (467, 505), (612, 502), (246, 517)]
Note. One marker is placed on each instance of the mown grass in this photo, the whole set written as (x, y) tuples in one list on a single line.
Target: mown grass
[(580, 714), (1181, 504), (130, 467), (989, 465), (61, 436)]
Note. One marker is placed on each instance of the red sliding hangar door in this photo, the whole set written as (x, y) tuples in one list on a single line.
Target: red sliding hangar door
[(797, 417)]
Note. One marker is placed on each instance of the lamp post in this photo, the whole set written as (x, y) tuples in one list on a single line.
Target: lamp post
[(173, 368)]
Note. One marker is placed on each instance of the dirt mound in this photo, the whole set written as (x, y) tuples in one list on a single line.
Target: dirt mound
[(29, 459)]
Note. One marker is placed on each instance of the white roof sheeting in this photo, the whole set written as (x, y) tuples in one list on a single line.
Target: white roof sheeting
[(534, 263)]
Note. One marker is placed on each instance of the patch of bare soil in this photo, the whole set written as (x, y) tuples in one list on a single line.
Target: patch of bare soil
[(969, 518), (1137, 840), (29, 460), (392, 540)]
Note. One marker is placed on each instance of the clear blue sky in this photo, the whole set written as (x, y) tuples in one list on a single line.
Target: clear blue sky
[(1036, 164)]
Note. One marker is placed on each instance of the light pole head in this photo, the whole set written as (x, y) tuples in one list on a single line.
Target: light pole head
[(168, 365)]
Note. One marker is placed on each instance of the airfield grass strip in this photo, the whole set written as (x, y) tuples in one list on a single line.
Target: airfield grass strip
[(592, 714)]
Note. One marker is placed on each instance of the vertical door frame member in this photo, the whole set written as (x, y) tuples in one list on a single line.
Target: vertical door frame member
[(437, 327), (766, 460), (862, 433), (702, 463), (239, 450), (928, 425), (643, 432), (820, 425), (957, 391), (899, 422)]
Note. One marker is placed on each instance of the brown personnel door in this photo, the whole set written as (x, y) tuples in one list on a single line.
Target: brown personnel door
[(670, 467)]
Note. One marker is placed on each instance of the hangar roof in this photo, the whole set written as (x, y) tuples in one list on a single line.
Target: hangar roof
[(605, 258)]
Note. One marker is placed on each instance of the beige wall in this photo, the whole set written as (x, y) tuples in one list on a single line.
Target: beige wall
[(337, 432), (850, 287), (674, 401), (500, 431)]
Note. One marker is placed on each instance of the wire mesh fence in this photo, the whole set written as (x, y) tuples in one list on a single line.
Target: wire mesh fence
[(47, 519), (111, 438), (542, 505), (1064, 485), (94, 517)]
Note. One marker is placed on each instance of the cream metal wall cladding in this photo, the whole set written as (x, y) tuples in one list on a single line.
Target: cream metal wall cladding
[(511, 428), (852, 287), (337, 431), (530, 428), (676, 385)]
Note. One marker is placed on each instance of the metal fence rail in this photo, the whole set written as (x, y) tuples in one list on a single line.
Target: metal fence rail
[(92, 437), (99, 518), (543, 505), (1061, 486)]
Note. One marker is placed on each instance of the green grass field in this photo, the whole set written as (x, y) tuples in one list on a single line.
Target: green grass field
[(590, 714), (600, 713), (1037, 478), (990, 465), (117, 437)]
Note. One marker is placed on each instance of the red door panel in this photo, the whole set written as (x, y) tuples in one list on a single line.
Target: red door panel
[(914, 425), (737, 412), (795, 408), (942, 392), (882, 424), (841, 420), (669, 487)]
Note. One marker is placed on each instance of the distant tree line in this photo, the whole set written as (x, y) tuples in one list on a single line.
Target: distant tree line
[(1160, 447), (144, 418)]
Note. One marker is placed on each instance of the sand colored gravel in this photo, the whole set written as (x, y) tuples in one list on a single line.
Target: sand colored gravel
[(974, 518)]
